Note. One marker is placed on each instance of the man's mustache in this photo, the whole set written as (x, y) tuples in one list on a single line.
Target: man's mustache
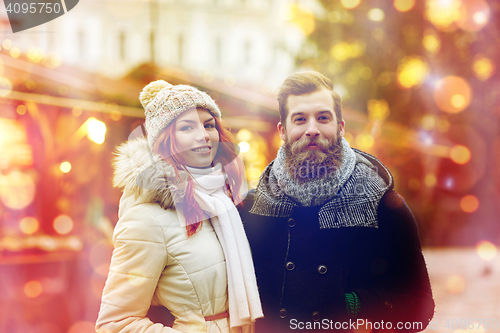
[(301, 144)]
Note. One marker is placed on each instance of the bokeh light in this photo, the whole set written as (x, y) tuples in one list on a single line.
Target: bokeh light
[(29, 225), (21, 109), (442, 13), (346, 50), (63, 224), (469, 203), (483, 67), (350, 4), (364, 141), (17, 190), (33, 289), (474, 15), (5, 86), (376, 14), (430, 180), (486, 250), (302, 18), (452, 94), (412, 71), (244, 146), (378, 110), (244, 135), (65, 167), (96, 130), (460, 154), (404, 5), (431, 41), (455, 284)]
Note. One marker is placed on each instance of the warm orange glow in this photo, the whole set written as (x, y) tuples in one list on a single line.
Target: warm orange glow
[(83, 327), (430, 180), (474, 15), (483, 68), (428, 122), (350, 4), (17, 190), (15, 52), (21, 109), (364, 141), (469, 203), (404, 5), (29, 225), (5, 86), (455, 284), (33, 289), (302, 18), (486, 250), (453, 94), (7, 44), (378, 110), (460, 154), (346, 50), (412, 71), (442, 13), (63, 224)]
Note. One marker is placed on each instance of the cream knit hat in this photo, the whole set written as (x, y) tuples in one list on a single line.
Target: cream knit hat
[(163, 102)]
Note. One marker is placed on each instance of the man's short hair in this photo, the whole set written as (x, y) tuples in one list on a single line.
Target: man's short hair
[(303, 83)]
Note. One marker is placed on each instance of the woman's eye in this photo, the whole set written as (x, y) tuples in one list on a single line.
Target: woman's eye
[(186, 128), (209, 125)]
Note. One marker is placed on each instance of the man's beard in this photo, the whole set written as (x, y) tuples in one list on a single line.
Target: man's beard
[(304, 164)]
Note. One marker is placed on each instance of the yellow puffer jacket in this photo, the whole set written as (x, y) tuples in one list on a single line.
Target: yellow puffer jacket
[(154, 262)]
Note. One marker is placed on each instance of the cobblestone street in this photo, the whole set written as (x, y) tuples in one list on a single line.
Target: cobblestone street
[(465, 287)]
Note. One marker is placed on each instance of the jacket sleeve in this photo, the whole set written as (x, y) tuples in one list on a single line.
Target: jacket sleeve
[(404, 294), (139, 257)]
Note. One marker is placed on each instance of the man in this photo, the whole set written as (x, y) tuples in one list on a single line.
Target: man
[(334, 246)]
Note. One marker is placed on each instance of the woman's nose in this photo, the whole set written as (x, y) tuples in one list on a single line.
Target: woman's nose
[(202, 135)]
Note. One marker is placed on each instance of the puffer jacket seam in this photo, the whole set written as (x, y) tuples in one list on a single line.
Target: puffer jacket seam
[(139, 276), (189, 278)]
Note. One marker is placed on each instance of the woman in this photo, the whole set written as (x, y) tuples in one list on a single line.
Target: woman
[(179, 241)]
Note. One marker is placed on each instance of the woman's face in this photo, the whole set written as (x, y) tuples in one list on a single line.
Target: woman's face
[(196, 137)]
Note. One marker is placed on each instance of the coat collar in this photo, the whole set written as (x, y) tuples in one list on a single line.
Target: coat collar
[(145, 177)]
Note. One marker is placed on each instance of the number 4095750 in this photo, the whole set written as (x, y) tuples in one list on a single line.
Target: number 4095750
[(40, 7)]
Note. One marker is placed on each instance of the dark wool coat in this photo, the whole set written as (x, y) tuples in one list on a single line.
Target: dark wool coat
[(303, 272)]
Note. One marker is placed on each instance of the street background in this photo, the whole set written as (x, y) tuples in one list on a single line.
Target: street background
[(419, 81)]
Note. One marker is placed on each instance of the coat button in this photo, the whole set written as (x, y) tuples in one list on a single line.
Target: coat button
[(291, 222), (283, 313), (290, 265), (322, 269), (315, 316), (388, 305)]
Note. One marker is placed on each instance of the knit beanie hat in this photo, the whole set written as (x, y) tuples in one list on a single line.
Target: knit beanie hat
[(163, 102)]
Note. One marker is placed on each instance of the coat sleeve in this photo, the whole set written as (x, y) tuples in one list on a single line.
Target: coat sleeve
[(404, 294), (139, 257)]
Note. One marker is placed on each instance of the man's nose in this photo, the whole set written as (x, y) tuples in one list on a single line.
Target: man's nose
[(312, 129)]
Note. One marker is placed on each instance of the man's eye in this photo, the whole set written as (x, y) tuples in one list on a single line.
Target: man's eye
[(299, 119), (324, 118)]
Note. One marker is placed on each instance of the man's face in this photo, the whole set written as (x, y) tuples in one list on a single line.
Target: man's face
[(311, 116)]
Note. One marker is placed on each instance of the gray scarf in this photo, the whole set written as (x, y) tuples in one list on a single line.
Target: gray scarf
[(315, 191), (353, 200)]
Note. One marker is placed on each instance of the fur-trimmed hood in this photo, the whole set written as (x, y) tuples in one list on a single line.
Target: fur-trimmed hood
[(145, 177)]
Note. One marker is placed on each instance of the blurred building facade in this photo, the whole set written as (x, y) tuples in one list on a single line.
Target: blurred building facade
[(251, 41)]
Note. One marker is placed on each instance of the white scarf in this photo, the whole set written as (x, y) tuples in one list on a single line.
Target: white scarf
[(244, 300)]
